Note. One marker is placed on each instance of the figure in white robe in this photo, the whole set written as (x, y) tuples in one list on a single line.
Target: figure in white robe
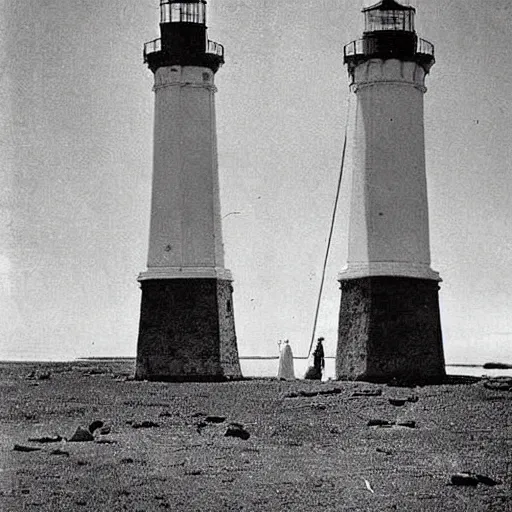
[(285, 362)]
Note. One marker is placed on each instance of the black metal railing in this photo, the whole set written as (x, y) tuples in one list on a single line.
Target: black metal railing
[(155, 46), (152, 47), (425, 47), (215, 48), (357, 48), (353, 48)]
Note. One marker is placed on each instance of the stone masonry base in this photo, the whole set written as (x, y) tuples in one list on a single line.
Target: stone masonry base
[(187, 331), (390, 330)]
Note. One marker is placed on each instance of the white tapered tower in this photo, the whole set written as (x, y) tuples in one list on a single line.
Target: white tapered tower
[(186, 328), (389, 324)]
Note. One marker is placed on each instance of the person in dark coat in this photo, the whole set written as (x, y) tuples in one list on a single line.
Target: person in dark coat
[(317, 365)]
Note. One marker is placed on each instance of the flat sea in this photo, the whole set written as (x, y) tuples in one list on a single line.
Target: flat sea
[(267, 367), (263, 366)]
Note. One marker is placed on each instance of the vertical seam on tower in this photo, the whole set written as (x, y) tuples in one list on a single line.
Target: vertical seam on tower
[(215, 176), (352, 174), (180, 167)]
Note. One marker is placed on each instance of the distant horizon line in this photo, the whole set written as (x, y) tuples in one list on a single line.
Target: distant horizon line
[(254, 358)]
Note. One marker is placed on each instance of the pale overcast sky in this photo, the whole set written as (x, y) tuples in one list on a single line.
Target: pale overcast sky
[(75, 173)]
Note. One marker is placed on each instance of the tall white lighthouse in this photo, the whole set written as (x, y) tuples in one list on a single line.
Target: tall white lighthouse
[(187, 329), (389, 324)]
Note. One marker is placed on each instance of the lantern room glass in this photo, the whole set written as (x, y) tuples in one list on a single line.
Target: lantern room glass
[(380, 20), (182, 12)]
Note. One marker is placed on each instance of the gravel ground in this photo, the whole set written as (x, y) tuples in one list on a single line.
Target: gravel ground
[(163, 445)]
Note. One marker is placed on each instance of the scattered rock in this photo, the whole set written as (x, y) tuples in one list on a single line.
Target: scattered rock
[(166, 414), (408, 423), (58, 451), (312, 393), (105, 430), (22, 448), (127, 460), (200, 426), (97, 371), (95, 425), (198, 414), (382, 450), (486, 480), (497, 366), (308, 393), (367, 392), (237, 430), (466, 479), (215, 419), (397, 401), (81, 435), (319, 407), (250, 450), (330, 391), (499, 384), (124, 378), (36, 375), (386, 423), (380, 423), (145, 424), (368, 486), (106, 441), (193, 472), (413, 399), (44, 439)]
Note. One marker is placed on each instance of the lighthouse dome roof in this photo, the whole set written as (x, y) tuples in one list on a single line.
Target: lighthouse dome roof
[(182, 1), (389, 5)]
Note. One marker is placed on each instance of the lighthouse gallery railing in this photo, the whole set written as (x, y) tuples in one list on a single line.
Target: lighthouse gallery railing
[(423, 47), (156, 46)]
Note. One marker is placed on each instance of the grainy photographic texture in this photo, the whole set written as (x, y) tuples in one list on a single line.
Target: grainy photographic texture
[(78, 132)]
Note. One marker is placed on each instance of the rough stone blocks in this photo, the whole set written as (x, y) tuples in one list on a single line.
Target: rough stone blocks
[(187, 331), (390, 329)]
